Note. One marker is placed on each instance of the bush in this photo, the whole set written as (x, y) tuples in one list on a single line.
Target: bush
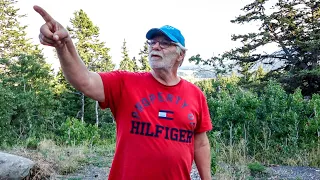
[(73, 132), (273, 124), (256, 168)]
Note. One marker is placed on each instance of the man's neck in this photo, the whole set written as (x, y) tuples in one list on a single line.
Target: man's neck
[(166, 77)]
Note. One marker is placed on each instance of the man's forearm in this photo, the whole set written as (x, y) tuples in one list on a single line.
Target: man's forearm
[(202, 159), (72, 66)]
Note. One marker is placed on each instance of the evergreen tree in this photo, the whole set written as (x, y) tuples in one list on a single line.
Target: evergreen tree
[(95, 55), (135, 67), (27, 79), (35, 109), (244, 70), (126, 63), (69, 98), (13, 41), (259, 74), (92, 51), (144, 52), (295, 27)]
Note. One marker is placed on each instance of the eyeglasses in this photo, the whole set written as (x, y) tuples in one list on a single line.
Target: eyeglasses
[(163, 43)]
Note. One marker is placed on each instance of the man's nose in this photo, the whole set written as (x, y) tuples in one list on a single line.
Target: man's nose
[(156, 46)]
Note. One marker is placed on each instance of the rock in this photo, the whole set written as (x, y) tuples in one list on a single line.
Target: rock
[(14, 167)]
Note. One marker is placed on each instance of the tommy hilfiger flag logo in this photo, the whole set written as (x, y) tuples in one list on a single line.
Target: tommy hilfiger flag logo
[(164, 114)]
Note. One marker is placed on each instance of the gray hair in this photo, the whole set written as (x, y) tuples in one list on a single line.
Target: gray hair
[(180, 49)]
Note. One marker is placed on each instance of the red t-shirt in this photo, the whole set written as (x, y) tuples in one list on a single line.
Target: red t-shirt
[(155, 125)]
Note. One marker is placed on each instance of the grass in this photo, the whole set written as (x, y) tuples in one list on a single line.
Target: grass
[(231, 161), (53, 160)]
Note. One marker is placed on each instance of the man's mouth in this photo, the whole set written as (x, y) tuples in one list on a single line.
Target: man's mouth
[(154, 55)]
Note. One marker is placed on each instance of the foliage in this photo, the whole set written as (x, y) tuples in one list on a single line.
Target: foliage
[(91, 50), (144, 58), (126, 63), (292, 25), (73, 132), (69, 98), (96, 57), (254, 117), (270, 122), (256, 168), (7, 110), (29, 101), (13, 41), (108, 131)]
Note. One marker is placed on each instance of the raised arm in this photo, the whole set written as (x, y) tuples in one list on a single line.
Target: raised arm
[(54, 34)]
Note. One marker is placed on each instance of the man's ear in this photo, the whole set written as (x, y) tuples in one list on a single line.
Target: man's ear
[(182, 54), (181, 58)]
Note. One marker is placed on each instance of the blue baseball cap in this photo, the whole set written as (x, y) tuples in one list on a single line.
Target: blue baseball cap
[(172, 33)]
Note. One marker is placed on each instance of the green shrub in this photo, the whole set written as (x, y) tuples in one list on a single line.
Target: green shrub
[(256, 169), (274, 125), (74, 132)]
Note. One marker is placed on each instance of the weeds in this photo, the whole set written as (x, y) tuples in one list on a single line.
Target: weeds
[(53, 160)]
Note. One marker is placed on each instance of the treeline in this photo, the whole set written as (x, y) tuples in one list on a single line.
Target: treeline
[(273, 126), (270, 104), (267, 109), (35, 102)]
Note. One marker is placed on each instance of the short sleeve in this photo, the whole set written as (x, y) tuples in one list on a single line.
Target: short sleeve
[(204, 123), (112, 84)]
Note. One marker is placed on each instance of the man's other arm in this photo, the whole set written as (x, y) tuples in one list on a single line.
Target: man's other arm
[(202, 155)]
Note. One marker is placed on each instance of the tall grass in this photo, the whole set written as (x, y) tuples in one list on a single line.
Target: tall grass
[(52, 159), (233, 161)]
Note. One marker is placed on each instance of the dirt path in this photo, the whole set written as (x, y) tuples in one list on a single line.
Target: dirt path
[(288, 172), (275, 173), (88, 173)]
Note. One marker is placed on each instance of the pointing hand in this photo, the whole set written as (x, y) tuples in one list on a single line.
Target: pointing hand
[(52, 33)]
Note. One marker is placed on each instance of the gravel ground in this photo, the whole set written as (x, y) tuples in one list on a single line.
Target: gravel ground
[(288, 172), (101, 173), (275, 173), (88, 173), (194, 173), (281, 173)]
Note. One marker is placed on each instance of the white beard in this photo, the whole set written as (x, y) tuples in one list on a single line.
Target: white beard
[(162, 62)]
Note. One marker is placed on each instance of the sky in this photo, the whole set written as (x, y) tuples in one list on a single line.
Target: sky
[(205, 24)]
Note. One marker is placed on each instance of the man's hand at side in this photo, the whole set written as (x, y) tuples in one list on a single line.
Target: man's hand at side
[(202, 155)]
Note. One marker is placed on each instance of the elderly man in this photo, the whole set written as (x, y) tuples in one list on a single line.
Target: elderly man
[(161, 118)]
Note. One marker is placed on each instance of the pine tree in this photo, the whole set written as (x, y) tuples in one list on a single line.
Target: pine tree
[(92, 51), (144, 58), (13, 40), (35, 107), (135, 67), (259, 74), (294, 26), (68, 96), (126, 63), (244, 70), (25, 74)]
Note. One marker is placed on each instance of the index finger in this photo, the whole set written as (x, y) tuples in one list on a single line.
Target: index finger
[(43, 13)]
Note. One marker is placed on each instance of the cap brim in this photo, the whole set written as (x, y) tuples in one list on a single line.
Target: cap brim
[(156, 31)]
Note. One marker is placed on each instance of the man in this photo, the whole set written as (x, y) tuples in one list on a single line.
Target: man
[(161, 119)]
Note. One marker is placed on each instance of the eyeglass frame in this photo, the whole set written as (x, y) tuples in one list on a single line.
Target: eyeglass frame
[(152, 42)]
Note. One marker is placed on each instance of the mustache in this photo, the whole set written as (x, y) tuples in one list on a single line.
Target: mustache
[(156, 53)]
